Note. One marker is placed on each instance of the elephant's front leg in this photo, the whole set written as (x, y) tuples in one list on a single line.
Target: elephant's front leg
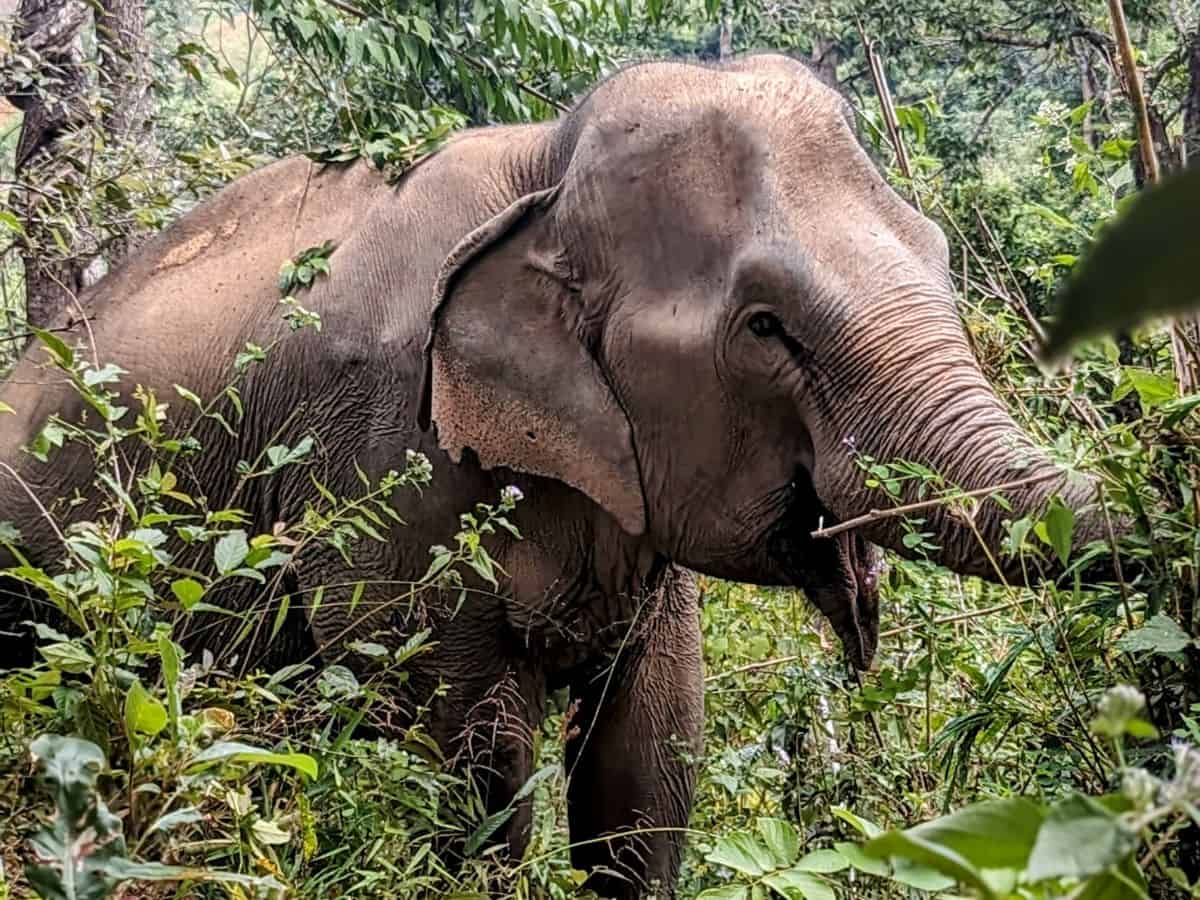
[(495, 746), (628, 767)]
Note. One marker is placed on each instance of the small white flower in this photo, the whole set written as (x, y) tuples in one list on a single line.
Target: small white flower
[(1140, 787), (512, 494)]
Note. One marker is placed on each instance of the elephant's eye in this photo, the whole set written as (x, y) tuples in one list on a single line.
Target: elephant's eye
[(764, 325)]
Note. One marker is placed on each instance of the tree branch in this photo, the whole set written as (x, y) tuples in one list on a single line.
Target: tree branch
[(877, 515)]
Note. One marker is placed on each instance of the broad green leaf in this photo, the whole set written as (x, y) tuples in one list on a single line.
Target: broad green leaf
[(143, 713), (1079, 837), (67, 656), (1152, 388), (863, 826), (823, 861), (725, 892), (232, 751), (995, 834), (793, 883), (923, 878), (230, 550), (1057, 528), (781, 839), (1159, 634), (1143, 265), (73, 854), (1125, 882), (904, 845), (742, 852), (854, 855), (62, 354), (187, 591)]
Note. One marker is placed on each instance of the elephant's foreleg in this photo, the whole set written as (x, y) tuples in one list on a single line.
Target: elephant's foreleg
[(630, 769), (496, 748)]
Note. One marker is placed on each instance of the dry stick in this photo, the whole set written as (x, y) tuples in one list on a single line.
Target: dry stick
[(1081, 405), (1133, 87), (879, 79), (1112, 543), (1019, 300), (877, 514)]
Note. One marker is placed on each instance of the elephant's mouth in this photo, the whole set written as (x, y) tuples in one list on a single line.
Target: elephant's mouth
[(840, 575)]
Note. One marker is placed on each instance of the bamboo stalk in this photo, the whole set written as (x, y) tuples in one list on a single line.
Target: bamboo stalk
[(1133, 88), (879, 80)]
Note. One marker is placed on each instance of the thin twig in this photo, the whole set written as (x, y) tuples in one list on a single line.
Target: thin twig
[(1112, 543), (876, 515)]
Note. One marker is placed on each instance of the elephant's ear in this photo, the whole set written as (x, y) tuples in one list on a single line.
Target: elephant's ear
[(507, 376)]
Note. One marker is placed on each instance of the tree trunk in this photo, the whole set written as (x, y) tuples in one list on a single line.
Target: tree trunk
[(55, 105), (1087, 88), (725, 41), (1186, 332), (1190, 151), (124, 90)]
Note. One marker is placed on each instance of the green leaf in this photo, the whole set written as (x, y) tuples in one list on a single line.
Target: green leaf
[(230, 551), (486, 829), (73, 854), (269, 833), (793, 883), (1160, 634), (11, 223), (904, 845), (994, 834), (1126, 882), (143, 713), (1079, 837), (781, 839), (63, 355), (187, 591), (1153, 389), (823, 861), (742, 853), (169, 654), (186, 816), (725, 892), (863, 826), (1144, 265), (534, 780), (1058, 525), (854, 855), (923, 878), (67, 656), (232, 751)]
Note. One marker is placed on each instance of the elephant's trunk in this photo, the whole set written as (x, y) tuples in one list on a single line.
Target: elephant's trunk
[(930, 404)]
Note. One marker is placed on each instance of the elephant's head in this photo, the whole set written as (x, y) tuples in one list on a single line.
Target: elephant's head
[(709, 307)]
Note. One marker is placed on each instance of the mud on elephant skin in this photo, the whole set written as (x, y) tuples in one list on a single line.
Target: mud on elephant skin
[(669, 318)]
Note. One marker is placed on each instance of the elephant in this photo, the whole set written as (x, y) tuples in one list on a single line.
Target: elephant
[(674, 320)]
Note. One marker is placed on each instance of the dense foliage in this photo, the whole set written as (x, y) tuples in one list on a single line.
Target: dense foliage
[(1060, 724)]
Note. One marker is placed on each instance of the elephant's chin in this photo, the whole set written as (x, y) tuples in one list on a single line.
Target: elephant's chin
[(845, 587), (840, 575)]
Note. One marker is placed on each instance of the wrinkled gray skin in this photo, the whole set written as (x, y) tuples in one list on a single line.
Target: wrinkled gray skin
[(668, 318)]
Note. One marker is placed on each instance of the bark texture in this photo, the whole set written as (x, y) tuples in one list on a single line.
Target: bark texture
[(53, 96)]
